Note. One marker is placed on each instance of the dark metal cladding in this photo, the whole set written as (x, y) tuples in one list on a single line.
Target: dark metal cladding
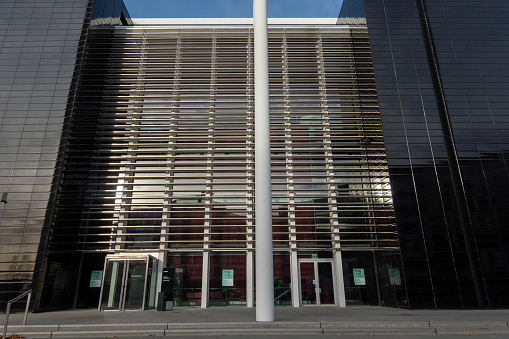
[(441, 72), (40, 58)]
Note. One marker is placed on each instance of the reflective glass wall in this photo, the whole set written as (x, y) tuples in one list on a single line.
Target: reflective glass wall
[(61, 263), (39, 48), (440, 68), (161, 154)]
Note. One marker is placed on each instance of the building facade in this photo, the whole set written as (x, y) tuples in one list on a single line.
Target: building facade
[(128, 155), (155, 168), (160, 163), (38, 57), (42, 44), (441, 74)]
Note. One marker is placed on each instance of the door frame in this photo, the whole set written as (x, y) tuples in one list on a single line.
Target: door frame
[(125, 272), (334, 280)]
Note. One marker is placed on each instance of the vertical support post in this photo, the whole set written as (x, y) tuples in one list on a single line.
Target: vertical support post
[(249, 279), (113, 285), (377, 278), (75, 302), (6, 319), (26, 308), (263, 197), (162, 258), (340, 286), (205, 280), (294, 263)]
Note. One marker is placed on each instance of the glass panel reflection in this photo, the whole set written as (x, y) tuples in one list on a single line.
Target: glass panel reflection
[(112, 287), (307, 283), (326, 283), (227, 279), (135, 284)]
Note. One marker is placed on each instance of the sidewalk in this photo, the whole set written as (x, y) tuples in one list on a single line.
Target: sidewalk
[(241, 321)]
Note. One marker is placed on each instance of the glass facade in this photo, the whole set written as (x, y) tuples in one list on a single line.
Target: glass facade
[(160, 160), (169, 129), (109, 13), (39, 47), (139, 140), (352, 9), (441, 74), (120, 141)]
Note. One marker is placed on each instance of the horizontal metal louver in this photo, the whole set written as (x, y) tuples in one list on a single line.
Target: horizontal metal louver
[(162, 141)]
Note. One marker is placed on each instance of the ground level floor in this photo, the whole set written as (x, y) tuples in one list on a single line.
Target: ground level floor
[(134, 281)]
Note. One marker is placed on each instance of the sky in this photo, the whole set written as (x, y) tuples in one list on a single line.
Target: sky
[(231, 8)]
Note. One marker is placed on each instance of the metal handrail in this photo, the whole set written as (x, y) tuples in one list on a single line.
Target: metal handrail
[(12, 301), (282, 294)]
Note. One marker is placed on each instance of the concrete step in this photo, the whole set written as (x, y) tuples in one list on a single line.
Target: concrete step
[(471, 328), (31, 331), (107, 333), (244, 332), (30, 334), (245, 325), (467, 330), (311, 328), (379, 325), (472, 324), (113, 327), (380, 331), (31, 328), (378, 328)]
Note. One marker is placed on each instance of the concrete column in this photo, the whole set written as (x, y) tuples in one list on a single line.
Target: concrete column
[(205, 280), (294, 270), (263, 197), (249, 279), (340, 286), (162, 258)]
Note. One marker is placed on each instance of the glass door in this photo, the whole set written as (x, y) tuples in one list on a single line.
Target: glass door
[(316, 283), (135, 285), (307, 283), (326, 283), (124, 285), (112, 288)]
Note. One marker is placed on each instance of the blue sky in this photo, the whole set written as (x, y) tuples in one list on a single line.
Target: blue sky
[(231, 8)]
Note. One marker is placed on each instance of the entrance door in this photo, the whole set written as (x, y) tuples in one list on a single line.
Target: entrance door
[(317, 283), (124, 284)]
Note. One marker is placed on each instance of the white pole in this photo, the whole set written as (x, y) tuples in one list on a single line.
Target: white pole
[(263, 198)]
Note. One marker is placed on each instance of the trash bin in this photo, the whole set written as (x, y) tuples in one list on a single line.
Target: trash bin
[(167, 289)]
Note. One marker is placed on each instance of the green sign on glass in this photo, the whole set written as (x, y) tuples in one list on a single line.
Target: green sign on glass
[(358, 277), (395, 276), (227, 278), (96, 278)]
